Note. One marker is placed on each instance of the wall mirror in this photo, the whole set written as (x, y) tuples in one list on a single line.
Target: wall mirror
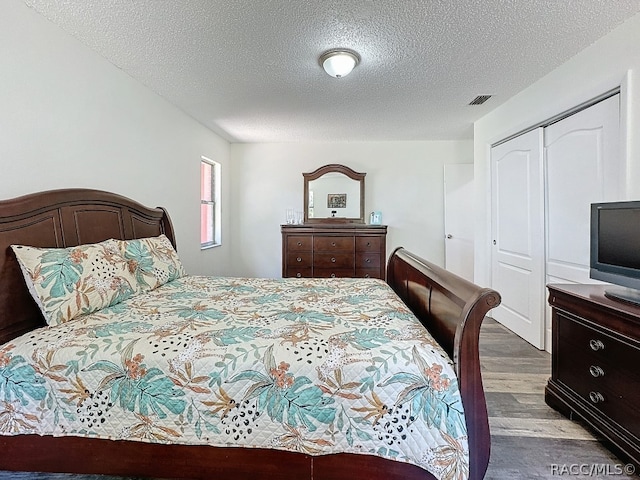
[(334, 194)]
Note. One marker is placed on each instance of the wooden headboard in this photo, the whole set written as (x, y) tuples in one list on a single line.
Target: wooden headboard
[(62, 218)]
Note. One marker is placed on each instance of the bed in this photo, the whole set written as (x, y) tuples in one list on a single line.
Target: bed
[(318, 353)]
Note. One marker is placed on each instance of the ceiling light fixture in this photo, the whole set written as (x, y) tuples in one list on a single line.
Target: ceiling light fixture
[(339, 62)]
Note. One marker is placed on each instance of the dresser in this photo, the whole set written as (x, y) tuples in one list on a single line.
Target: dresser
[(334, 250), (595, 363)]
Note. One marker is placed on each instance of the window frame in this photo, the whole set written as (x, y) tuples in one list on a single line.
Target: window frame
[(214, 201)]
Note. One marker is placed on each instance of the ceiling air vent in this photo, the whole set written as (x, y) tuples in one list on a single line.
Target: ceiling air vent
[(480, 99)]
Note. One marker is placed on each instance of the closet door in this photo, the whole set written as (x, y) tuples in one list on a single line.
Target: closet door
[(518, 235), (583, 166)]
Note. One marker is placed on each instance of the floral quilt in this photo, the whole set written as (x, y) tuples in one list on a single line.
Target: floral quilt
[(316, 366)]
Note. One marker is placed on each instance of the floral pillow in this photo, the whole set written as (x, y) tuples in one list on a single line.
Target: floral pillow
[(152, 261), (70, 282)]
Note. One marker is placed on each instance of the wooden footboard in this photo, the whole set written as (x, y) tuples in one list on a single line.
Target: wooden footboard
[(452, 309)]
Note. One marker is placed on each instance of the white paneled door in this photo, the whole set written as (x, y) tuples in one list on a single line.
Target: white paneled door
[(458, 219), (582, 167), (541, 199), (518, 235)]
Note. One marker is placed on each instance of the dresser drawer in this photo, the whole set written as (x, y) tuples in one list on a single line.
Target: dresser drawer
[(368, 273), (299, 243), (601, 369), (332, 272), (367, 260), (333, 260), (325, 250), (332, 243), (600, 345), (299, 272), (299, 259), (595, 354), (601, 385), (368, 244)]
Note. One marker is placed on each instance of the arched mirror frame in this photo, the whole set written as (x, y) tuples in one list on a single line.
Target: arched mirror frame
[(333, 168)]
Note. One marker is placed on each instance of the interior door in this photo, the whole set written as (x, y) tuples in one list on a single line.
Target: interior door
[(458, 219), (518, 235), (583, 166)]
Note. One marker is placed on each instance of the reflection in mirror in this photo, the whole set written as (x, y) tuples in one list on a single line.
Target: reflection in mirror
[(334, 194)]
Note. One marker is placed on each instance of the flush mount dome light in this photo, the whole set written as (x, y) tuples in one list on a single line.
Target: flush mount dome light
[(339, 63)]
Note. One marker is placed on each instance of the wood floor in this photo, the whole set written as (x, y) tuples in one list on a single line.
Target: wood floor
[(529, 439)]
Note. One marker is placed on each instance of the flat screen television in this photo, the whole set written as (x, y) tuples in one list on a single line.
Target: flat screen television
[(615, 248)]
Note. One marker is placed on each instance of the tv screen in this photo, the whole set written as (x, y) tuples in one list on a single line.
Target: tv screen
[(615, 246)]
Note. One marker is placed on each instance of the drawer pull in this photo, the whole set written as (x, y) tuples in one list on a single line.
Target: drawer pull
[(298, 275), (333, 259), (596, 397), (333, 275), (299, 259), (368, 260), (596, 371), (366, 275), (299, 243), (596, 345), (368, 244), (333, 244)]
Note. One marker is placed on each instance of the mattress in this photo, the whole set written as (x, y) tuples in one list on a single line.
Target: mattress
[(316, 366)]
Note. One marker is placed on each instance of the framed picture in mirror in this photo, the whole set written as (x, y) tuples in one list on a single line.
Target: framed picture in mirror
[(337, 200)]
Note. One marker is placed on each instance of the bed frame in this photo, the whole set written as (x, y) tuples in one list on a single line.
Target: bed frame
[(451, 308)]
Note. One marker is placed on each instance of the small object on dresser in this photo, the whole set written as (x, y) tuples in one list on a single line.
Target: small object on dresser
[(375, 218), (290, 216)]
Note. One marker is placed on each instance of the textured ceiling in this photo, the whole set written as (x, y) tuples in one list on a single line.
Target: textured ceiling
[(248, 69)]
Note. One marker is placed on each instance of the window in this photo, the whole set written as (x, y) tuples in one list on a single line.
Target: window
[(209, 203)]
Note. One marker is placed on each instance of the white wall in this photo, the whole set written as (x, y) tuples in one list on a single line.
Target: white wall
[(613, 61), (404, 181), (69, 118)]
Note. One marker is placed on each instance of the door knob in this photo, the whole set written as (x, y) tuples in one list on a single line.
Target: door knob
[(449, 235)]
